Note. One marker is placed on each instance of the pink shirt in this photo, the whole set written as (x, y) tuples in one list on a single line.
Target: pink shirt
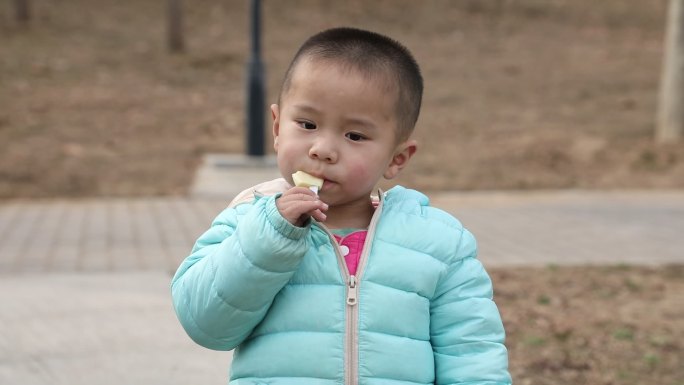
[(351, 246)]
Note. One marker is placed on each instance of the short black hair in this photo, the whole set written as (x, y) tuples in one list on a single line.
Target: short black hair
[(371, 54)]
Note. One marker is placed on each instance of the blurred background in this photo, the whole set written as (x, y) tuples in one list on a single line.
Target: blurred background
[(524, 94), (521, 95)]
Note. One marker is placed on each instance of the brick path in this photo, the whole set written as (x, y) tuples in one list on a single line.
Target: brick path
[(512, 229), (84, 285), (101, 235)]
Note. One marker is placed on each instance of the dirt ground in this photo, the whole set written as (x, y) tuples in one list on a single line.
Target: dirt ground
[(521, 94), (597, 326)]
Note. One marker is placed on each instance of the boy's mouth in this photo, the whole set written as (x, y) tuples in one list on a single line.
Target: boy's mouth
[(327, 183)]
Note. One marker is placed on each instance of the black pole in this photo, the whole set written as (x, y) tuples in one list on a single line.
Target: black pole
[(255, 99)]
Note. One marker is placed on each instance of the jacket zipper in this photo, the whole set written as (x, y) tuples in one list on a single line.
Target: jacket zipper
[(353, 281), (351, 354)]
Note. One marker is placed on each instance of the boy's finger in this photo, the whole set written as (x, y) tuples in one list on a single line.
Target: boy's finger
[(298, 207), (318, 215), (313, 201), (297, 197)]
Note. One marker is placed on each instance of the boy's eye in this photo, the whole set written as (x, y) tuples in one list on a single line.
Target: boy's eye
[(354, 136), (307, 125)]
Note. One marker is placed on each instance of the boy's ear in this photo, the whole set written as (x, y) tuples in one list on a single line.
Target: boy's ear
[(275, 114), (401, 157)]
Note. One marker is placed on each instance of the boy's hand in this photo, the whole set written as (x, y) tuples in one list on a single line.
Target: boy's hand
[(298, 204)]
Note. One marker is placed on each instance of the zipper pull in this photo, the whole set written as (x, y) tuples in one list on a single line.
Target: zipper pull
[(351, 291)]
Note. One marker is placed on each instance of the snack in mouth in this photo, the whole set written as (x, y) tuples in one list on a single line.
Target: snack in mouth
[(302, 179)]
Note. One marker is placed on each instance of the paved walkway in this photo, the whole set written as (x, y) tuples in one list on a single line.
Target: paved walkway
[(84, 284), (533, 228)]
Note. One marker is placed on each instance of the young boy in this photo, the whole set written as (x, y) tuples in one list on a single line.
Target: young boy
[(338, 287)]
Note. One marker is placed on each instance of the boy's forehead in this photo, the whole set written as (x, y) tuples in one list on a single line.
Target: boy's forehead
[(305, 67)]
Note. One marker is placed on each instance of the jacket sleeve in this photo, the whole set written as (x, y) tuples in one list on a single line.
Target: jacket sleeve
[(226, 286), (466, 330)]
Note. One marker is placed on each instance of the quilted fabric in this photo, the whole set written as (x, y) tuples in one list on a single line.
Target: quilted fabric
[(277, 293)]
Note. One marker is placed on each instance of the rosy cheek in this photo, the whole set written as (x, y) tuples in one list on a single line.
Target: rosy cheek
[(359, 172)]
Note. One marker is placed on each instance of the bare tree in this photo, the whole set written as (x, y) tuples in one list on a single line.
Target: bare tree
[(23, 13), (670, 120), (176, 42)]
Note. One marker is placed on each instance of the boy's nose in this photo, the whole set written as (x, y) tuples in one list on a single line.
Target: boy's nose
[(323, 151)]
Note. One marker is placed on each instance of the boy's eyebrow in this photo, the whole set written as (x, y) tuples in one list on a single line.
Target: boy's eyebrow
[(360, 121), (305, 108)]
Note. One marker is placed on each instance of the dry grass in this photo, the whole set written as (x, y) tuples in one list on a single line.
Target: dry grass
[(599, 326), (524, 94)]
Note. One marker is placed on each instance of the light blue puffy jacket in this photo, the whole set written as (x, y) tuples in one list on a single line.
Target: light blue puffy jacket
[(419, 310)]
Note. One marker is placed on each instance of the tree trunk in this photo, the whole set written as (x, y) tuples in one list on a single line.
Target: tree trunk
[(670, 122), (176, 42), (22, 9)]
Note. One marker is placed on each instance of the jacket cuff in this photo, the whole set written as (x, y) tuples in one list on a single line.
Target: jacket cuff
[(280, 224)]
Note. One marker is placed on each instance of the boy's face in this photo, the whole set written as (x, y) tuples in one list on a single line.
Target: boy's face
[(339, 126)]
